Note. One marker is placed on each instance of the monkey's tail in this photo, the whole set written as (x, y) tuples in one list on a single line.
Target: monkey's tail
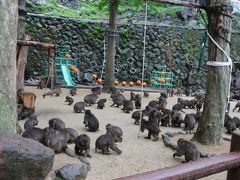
[(206, 155)]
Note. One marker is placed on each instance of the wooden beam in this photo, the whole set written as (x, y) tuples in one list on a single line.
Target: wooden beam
[(193, 170), (21, 63), (35, 44), (179, 3)]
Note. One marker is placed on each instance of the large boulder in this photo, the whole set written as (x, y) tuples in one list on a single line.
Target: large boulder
[(23, 159), (72, 172)]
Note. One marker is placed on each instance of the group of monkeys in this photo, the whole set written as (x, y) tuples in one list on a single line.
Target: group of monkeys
[(156, 112), (57, 136)]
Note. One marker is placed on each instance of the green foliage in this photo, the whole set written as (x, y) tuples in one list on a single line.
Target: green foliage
[(99, 9)]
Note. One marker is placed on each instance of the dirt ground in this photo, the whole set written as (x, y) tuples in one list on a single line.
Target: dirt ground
[(138, 154)]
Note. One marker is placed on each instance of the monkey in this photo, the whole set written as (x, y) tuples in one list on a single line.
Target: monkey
[(183, 102), (127, 106), (56, 140), (190, 123), (162, 101), (132, 96), (96, 90), (116, 132), (42, 83), (231, 126), (136, 115), (101, 103), (30, 123), (152, 127), (153, 104), (138, 102), (237, 106), (117, 99), (34, 133), (72, 133), (25, 113), (79, 107), (55, 92), (177, 107), (73, 91), (176, 119), (104, 142), (179, 92), (167, 111), (82, 143), (165, 120), (187, 149), (154, 116), (90, 121), (56, 124), (69, 100), (90, 99), (199, 105), (145, 94), (191, 103)]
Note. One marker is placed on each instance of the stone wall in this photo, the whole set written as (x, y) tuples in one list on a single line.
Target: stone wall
[(171, 46)]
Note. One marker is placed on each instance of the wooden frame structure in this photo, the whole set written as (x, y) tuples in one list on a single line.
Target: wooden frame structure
[(22, 56)]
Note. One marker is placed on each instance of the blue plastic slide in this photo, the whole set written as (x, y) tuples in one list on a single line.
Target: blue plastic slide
[(67, 75)]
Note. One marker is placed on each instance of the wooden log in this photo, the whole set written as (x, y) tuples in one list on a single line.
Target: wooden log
[(179, 3), (35, 44), (28, 99), (21, 64), (193, 170), (234, 174)]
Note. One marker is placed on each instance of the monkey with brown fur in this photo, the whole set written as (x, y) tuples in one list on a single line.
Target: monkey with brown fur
[(187, 149)]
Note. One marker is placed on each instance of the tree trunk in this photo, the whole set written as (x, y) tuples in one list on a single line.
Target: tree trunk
[(8, 41), (210, 128), (111, 43)]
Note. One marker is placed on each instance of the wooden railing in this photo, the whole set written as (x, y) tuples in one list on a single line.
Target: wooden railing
[(200, 168)]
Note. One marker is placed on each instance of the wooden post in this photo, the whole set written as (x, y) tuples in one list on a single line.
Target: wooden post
[(234, 174), (21, 63), (51, 65), (111, 43), (210, 128)]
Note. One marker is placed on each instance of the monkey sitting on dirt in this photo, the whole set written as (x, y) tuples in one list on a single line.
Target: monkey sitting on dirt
[(55, 92), (82, 143), (79, 107), (127, 106), (116, 132), (138, 102), (91, 121), (104, 142), (69, 100), (145, 94), (187, 149), (101, 103), (73, 91)]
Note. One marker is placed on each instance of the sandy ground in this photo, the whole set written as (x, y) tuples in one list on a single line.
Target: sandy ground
[(138, 154)]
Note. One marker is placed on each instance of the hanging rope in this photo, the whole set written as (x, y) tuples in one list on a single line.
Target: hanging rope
[(217, 64), (144, 57)]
